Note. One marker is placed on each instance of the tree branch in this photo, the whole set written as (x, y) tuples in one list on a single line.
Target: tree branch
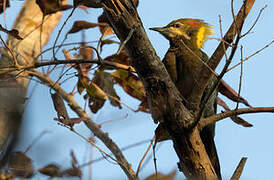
[(76, 61), (89, 123), (238, 171), (215, 118)]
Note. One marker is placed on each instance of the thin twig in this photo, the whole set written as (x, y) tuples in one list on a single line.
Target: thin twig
[(241, 79), (125, 41), (78, 61), (245, 59), (41, 48), (144, 156), (114, 120), (11, 52), (255, 22), (36, 140), (122, 149), (59, 33), (222, 37), (91, 142), (154, 159), (203, 62)]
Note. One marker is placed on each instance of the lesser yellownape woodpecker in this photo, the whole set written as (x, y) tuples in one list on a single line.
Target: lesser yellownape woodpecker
[(183, 61)]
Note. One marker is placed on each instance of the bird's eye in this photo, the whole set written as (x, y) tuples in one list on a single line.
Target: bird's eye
[(177, 25)]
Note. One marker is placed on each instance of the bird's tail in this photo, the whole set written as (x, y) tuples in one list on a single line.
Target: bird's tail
[(207, 136)]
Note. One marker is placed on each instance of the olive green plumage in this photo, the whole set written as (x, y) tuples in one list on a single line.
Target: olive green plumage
[(183, 62)]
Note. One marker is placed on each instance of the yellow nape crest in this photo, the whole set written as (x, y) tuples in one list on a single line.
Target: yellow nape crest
[(203, 34)]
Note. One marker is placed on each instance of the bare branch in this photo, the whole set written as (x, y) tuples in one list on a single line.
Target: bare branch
[(78, 61), (255, 22), (215, 118), (59, 33)]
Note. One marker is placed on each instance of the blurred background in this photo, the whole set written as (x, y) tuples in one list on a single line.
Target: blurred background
[(233, 141)]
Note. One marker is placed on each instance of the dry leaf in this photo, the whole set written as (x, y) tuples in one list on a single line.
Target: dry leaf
[(130, 83), (161, 176), (236, 119), (107, 41), (14, 32), (93, 90), (6, 176), (21, 165), (73, 172), (90, 3), (52, 6), (106, 82), (230, 93), (82, 25), (51, 170), (105, 30), (59, 106)]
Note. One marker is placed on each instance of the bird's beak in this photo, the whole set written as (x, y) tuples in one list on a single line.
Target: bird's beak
[(165, 31), (158, 29)]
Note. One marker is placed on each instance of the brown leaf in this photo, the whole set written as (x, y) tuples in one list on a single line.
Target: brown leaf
[(95, 104), (51, 170), (105, 30), (59, 106), (66, 54), (6, 176), (85, 8), (82, 25), (85, 52), (106, 82), (230, 93), (121, 58), (21, 165), (52, 6), (93, 90), (14, 32), (161, 176), (107, 41), (130, 83), (82, 68), (73, 172), (87, 3), (236, 119), (3, 5)]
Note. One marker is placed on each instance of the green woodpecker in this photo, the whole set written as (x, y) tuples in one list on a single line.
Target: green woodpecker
[(183, 61)]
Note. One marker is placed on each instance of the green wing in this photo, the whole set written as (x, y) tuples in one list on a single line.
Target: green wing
[(170, 64)]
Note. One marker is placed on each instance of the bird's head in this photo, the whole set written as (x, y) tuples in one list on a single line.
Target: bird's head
[(194, 31)]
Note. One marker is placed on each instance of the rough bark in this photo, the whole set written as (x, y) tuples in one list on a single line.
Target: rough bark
[(13, 88)]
